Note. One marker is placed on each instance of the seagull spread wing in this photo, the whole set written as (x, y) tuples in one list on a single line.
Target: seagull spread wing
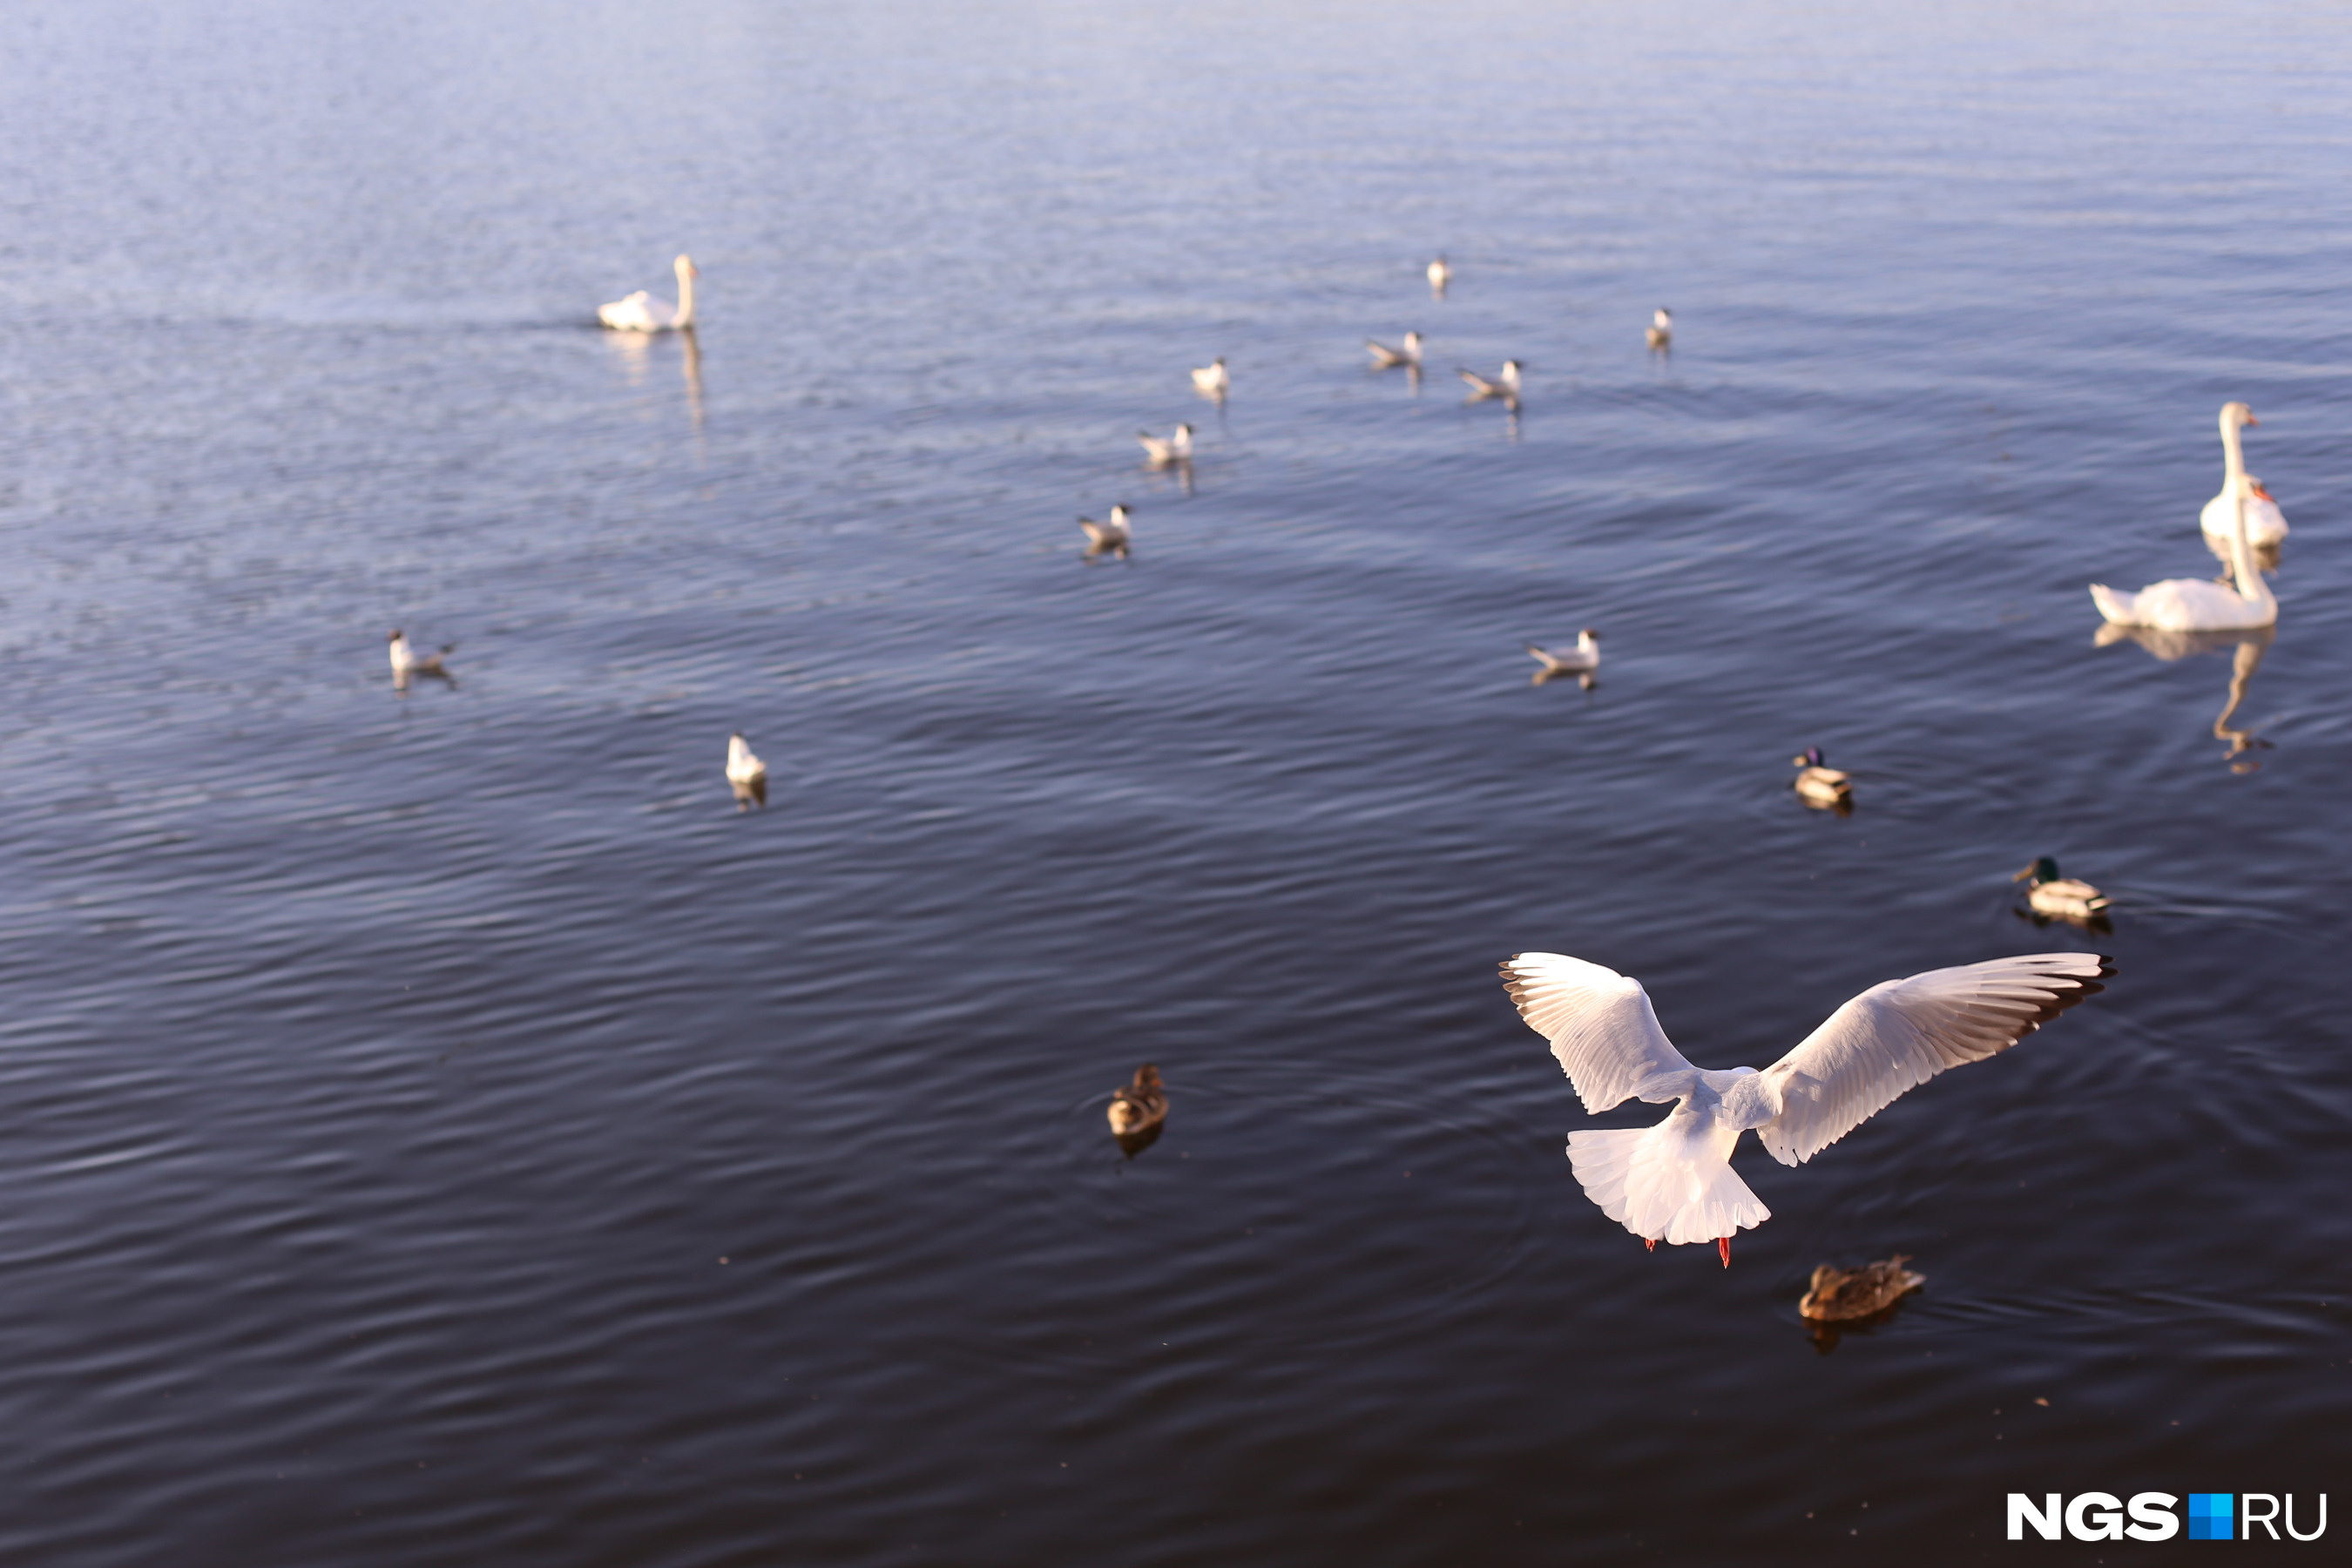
[(1598, 1023), (1901, 1033)]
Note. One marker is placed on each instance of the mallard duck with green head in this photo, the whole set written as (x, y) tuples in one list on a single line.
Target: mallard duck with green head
[(2065, 897), (1819, 784)]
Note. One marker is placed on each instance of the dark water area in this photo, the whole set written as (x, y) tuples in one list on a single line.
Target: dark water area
[(440, 1127)]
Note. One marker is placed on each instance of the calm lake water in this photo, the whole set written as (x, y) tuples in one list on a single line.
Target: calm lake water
[(440, 1127)]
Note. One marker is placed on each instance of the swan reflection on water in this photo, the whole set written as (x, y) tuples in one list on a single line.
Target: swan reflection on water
[(2250, 643), (636, 351)]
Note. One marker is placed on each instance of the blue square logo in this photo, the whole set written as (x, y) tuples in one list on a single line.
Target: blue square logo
[(2212, 1516)]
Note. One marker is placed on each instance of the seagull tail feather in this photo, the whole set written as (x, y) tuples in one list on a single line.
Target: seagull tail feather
[(1659, 1188)]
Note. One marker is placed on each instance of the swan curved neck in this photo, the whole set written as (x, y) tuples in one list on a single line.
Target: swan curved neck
[(2251, 586), (2233, 457), (686, 311)]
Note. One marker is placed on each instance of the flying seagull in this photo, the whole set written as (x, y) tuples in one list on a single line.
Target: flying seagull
[(1674, 1182)]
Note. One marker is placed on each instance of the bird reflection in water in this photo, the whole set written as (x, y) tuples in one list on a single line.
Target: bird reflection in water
[(692, 350), (2250, 643)]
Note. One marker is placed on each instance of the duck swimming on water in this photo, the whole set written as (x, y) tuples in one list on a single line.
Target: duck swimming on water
[(1820, 785), (1141, 1106), (2065, 897), (1838, 1294)]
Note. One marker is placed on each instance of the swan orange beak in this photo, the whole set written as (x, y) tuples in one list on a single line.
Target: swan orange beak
[(2264, 494), (1723, 1245)]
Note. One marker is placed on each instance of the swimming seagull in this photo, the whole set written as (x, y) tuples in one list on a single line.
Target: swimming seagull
[(641, 312), (1440, 275), (1674, 1182), (1504, 386), (746, 774), (1661, 332), (405, 662), (1582, 659), (1387, 358), (1175, 448), (1211, 380), (1113, 535)]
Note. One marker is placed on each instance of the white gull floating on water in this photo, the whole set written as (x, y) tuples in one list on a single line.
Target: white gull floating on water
[(1161, 451), (1112, 535), (746, 773), (405, 663), (1674, 1182), (1506, 385), (1581, 659)]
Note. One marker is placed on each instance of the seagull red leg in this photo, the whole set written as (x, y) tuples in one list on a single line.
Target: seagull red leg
[(1723, 1245), (1650, 1242)]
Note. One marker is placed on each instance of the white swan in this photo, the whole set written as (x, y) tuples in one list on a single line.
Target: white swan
[(2190, 605), (1387, 358), (1674, 1182), (1211, 380), (2265, 524), (1159, 452), (1113, 535), (1660, 333), (1440, 275), (641, 312), (1504, 386), (1581, 659), (746, 773)]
